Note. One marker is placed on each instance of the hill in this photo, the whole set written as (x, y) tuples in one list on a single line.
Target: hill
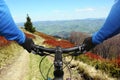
[(30, 62), (62, 28)]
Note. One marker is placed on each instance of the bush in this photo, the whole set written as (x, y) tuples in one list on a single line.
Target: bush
[(105, 65)]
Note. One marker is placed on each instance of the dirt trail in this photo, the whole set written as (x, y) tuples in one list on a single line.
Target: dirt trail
[(18, 69)]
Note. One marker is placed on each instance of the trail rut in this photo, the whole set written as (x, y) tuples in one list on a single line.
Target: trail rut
[(18, 69)]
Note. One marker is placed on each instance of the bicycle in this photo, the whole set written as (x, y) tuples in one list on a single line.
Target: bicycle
[(58, 62)]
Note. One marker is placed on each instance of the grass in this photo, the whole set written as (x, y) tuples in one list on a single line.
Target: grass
[(8, 54), (34, 72), (90, 71), (102, 66)]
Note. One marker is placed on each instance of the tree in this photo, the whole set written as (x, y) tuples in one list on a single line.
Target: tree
[(110, 48), (77, 37), (28, 25)]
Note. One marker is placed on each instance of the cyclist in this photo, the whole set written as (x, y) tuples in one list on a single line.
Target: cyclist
[(9, 30), (110, 28)]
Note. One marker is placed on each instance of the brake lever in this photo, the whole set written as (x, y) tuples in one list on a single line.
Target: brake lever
[(36, 51), (83, 48), (80, 51)]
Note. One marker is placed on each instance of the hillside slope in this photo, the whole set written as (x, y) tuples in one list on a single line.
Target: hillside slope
[(15, 61), (26, 66)]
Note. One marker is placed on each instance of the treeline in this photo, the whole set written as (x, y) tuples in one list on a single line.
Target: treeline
[(109, 49)]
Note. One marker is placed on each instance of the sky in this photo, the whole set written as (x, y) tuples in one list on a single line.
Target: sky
[(44, 10)]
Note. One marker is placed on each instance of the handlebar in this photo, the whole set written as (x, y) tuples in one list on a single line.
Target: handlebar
[(58, 51), (40, 49)]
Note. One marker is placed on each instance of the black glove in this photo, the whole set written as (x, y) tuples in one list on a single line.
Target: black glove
[(88, 44), (28, 44)]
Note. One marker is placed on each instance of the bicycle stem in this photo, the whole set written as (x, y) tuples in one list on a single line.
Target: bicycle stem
[(58, 64)]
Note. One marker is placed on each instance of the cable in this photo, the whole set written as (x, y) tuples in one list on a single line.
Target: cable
[(40, 67), (64, 62), (68, 69), (41, 64), (49, 70), (67, 63)]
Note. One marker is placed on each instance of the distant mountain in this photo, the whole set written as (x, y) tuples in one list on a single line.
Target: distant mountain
[(66, 26), (62, 34), (21, 24)]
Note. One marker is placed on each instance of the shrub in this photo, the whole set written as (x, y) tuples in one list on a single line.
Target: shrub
[(61, 43), (108, 66), (4, 42), (30, 35)]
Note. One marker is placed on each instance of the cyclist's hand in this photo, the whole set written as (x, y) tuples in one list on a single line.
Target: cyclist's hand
[(88, 44), (28, 44)]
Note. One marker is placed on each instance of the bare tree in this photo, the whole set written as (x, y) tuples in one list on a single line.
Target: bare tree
[(77, 37), (109, 48)]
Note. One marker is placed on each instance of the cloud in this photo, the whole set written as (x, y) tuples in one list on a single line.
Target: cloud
[(84, 10)]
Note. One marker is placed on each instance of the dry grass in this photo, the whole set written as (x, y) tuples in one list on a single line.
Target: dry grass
[(91, 71), (8, 54), (34, 73)]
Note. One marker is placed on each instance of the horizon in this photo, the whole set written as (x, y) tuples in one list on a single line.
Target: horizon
[(45, 10), (63, 20)]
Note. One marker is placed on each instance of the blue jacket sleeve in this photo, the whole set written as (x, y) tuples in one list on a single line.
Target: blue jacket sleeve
[(111, 26), (8, 28)]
